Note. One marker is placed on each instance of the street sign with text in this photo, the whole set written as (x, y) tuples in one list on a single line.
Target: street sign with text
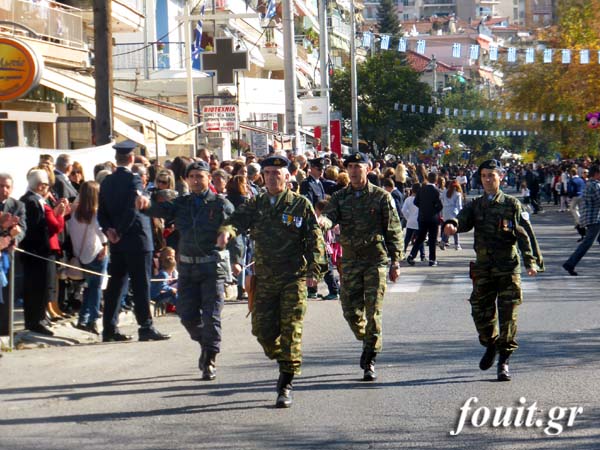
[(220, 118)]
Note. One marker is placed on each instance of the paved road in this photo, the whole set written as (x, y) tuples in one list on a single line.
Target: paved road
[(149, 396)]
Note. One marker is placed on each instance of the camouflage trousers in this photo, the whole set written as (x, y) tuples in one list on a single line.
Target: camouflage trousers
[(277, 315), (362, 293), (494, 302)]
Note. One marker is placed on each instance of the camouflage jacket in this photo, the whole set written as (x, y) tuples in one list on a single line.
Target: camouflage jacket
[(287, 237), (369, 225), (502, 229)]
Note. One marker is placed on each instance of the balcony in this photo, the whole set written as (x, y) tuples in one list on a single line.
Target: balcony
[(126, 14), (438, 3), (54, 30), (160, 55)]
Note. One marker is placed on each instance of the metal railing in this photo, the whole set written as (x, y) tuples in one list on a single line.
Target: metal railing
[(160, 55), (51, 21)]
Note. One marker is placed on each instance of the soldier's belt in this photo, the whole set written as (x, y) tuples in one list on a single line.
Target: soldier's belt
[(197, 259)]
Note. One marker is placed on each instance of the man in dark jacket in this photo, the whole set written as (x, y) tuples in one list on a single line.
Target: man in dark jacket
[(429, 204), (131, 247)]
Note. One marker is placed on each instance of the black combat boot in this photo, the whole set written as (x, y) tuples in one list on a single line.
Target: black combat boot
[(503, 372), (369, 366), (209, 371), (488, 358), (284, 390)]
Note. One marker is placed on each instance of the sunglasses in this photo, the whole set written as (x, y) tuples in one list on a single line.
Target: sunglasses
[(162, 181)]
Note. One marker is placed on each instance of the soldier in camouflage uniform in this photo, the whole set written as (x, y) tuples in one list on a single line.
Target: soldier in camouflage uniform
[(370, 235), (502, 229), (289, 253)]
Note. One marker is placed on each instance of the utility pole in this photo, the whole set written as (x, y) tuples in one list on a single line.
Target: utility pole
[(323, 66), (353, 81), (289, 71), (103, 72)]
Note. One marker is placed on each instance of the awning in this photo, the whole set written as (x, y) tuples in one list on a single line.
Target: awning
[(250, 36), (82, 89)]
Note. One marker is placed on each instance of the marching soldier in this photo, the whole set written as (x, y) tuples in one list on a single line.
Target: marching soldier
[(370, 235), (501, 227), (288, 255)]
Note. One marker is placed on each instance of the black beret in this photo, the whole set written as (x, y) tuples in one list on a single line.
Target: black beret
[(197, 165), (125, 147), (491, 164), (358, 157), (317, 162), (275, 161)]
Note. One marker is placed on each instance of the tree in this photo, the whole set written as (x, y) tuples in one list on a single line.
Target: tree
[(385, 80), (387, 18), (568, 89)]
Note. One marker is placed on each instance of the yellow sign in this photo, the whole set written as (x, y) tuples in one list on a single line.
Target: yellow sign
[(20, 69)]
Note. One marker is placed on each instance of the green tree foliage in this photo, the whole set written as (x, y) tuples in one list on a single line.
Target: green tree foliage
[(563, 88), (383, 81), (387, 18)]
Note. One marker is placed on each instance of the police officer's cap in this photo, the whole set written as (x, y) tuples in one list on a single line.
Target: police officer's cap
[(358, 157), (125, 147), (317, 162), (197, 165), (275, 161), (491, 164)]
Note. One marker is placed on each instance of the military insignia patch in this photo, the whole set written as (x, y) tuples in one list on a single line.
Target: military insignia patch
[(298, 221), (287, 219)]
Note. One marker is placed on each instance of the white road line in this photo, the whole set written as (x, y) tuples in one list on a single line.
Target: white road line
[(406, 284)]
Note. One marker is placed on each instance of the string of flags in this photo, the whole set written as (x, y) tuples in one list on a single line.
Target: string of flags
[(485, 114), (473, 51), (490, 132)]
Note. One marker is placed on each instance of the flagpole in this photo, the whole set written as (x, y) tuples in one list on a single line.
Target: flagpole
[(188, 72)]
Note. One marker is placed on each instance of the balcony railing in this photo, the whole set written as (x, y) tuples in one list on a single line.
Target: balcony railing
[(51, 21), (161, 55)]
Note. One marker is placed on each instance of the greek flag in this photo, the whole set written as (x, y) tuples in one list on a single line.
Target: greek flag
[(385, 42), (566, 56), (529, 55), (547, 56), (512, 54), (421, 46), (366, 41), (456, 48), (493, 52), (271, 10), (474, 52), (584, 56), (197, 44), (402, 46)]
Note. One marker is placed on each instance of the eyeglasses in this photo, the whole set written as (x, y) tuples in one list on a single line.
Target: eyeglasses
[(163, 181)]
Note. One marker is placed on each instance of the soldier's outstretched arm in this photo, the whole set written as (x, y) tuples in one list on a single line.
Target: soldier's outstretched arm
[(329, 217), (238, 222), (314, 244), (393, 235), (465, 221), (527, 242)]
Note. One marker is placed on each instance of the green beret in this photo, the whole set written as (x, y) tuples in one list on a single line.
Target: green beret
[(358, 157), (275, 161)]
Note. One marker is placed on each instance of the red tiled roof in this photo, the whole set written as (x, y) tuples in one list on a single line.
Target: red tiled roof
[(420, 62)]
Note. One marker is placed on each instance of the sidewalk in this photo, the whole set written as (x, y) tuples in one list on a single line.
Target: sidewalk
[(66, 334)]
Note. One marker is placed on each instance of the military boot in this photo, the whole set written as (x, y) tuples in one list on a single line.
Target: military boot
[(488, 358), (503, 372), (209, 371), (284, 390), (369, 366)]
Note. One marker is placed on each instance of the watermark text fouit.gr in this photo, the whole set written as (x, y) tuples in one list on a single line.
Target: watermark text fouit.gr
[(529, 416)]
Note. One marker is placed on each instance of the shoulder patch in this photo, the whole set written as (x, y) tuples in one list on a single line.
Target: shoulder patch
[(525, 215)]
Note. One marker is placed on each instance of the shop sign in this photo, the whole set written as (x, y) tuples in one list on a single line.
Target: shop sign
[(20, 69)]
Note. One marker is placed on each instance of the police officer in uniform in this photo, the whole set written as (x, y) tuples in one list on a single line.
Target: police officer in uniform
[(312, 186), (371, 234), (501, 227), (131, 246), (289, 253), (203, 269)]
